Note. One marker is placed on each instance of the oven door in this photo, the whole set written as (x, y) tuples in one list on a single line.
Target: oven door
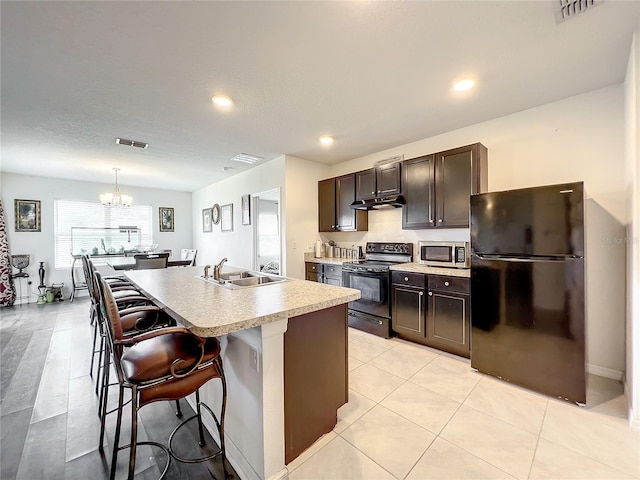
[(374, 292)]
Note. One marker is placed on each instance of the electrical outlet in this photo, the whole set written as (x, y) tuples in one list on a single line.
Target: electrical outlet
[(253, 359)]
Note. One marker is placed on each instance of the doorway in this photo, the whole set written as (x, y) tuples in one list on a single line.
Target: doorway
[(267, 254)]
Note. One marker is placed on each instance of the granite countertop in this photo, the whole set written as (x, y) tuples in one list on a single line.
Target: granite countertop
[(308, 257), (418, 268), (210, 310)]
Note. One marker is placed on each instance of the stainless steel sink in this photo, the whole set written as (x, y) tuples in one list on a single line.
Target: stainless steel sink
[(244, 279), (237, 275)]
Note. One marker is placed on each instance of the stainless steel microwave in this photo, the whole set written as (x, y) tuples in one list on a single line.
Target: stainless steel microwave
[(444, 254)]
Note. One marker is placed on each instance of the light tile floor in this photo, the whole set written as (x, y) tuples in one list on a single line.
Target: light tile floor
[(417, 413)]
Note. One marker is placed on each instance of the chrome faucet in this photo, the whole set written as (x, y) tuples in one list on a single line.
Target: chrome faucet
[(218, 268), (206, 270)]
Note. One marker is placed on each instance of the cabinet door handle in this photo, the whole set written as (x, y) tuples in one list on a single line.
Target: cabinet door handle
[(446, 284), (440, 220), (431, 294), (406, 279), (421, 293)]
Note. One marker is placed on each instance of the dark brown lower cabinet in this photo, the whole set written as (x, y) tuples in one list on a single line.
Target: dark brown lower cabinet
[(408, 305), (448, 323), (313, 271), (316, 381), (323, 273), (440, 319)]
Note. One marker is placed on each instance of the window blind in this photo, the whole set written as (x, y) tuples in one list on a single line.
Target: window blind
[(71, 213)]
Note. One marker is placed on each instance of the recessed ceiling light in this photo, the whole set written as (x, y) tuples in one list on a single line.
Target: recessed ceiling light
[(222, 100), (326, 139), (463, 85)]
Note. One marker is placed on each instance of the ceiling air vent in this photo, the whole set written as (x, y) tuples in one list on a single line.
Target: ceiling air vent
[(131, 143), (566, 9), (246, 158)]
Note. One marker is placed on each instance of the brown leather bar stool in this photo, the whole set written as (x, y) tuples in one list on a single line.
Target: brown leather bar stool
[(163, 364), (126, 297), (134, 320)]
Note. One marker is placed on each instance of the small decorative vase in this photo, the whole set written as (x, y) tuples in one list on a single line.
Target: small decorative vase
[(41, 274)]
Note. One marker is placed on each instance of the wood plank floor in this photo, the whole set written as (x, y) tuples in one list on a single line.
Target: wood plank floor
[(48, 412)]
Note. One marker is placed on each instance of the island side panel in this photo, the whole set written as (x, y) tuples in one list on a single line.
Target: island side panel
[(315, 376)]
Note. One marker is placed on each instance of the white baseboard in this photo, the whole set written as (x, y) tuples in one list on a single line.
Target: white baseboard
[(634, 417), (605, 372), (634, 421)]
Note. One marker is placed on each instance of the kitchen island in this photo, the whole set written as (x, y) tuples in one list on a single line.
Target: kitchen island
[(284, 348)]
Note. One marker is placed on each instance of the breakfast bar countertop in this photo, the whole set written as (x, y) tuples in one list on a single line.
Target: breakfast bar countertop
[(211, 310)]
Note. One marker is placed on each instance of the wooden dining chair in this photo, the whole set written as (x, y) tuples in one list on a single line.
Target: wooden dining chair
[(189, 254)]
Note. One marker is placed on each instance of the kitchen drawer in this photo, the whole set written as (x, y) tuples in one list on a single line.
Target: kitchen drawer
[(333, 271), (408, 278), (313, 267), (454, 284)]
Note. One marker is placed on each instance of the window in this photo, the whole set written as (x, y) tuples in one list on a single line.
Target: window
[(70, 213), (269, 235)]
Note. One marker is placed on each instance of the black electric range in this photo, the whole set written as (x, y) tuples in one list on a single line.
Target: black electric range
[(372, 312)]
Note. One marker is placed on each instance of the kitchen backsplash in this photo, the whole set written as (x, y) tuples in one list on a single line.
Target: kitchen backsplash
[(386, 226)]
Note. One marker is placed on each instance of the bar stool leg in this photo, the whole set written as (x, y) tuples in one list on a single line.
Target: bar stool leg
[(102, 405), (93, 349), (116, 437), (223, 410), (178, 409), (134, 432), (101, 357), (202, 442)]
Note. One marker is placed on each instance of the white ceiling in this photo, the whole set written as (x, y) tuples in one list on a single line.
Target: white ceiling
[(76, 75)]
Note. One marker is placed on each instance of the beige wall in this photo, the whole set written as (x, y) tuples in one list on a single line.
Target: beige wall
[(301, 199), (578, 138), (40, 245), (632, 145), (237, 245)]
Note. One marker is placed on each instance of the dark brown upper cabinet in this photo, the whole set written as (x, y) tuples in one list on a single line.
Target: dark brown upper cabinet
[(335, 196), (437, 187), (378, 182), (418, 187)]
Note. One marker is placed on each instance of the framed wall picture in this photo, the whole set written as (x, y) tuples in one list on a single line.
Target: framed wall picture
[(226, 214), (27, 215), (215, 214), (246, 209), (206, 219), (166, 219)]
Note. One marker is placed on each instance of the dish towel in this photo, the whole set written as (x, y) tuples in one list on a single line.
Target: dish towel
[(7, 289)]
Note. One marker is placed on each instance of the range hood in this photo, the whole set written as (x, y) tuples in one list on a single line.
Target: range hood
[(393, 201)]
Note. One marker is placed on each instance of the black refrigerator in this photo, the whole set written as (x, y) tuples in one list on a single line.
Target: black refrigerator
[(528, 288)]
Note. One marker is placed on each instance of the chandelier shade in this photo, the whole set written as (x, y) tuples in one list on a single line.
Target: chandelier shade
[(115, 198)]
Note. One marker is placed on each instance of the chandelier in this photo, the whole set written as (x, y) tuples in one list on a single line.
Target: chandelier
[(115, 199)]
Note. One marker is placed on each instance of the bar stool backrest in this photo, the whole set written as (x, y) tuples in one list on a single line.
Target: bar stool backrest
[(145, 261)]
